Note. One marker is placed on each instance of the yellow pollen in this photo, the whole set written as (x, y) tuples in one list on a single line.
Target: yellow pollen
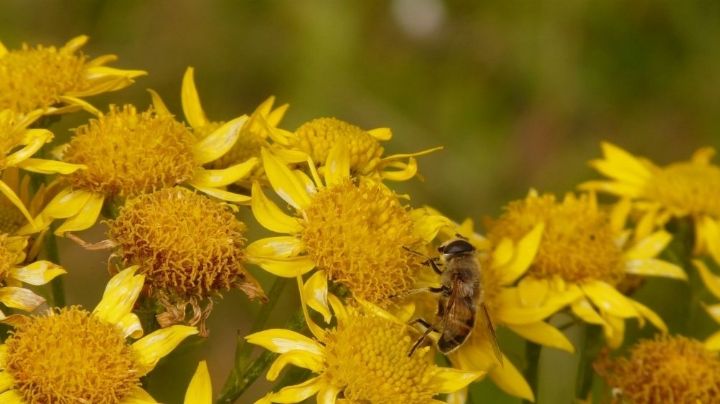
[(33, 78), (186, 243), (128, 153), (688, 188), (357, 233), (68, 357), (664, 370), (367, 356), (577, 244), (318, 136)]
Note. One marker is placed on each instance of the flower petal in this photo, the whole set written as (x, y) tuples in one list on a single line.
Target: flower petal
[(328, 394), (200, 389), (85, 218), (192, 108), (315, 291), (281, 341), (711, 344), (649, 246), (583, 309), (278, 247), (158, 103), (654, 267), (20, 298), (286, 267), (303, 359), (67, 203), (286, 184), (609, 300), (296, 393), (43, 166), (544, 334), (711, 281), (138, 395), (154, 346), (222, 194), (225, 176), (533, 291), (37, 273), (448, 380), (525, 251), (34, 140), (337, 165), (11, 397), (216, 144), (130, 326), (714, 311), (120, 295), (270, 216), (509, 379), (382, 134), (15, 200)]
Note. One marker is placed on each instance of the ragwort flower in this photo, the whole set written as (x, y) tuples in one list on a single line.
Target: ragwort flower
[(72, 355), (18, 144), (364, 358), (666, 369), (127, 153), (189, 247), (14, 271), (356, 233), (253, 136), (501, 264), (586, 249), (54, 80), (687, 189), (315, 139)]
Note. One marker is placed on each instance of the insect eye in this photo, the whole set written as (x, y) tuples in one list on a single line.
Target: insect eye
[(458, 247)]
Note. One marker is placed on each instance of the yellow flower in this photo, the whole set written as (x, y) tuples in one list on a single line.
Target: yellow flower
[(199, 390), (663, 370), (501, 265), (315, 139), (253, 135), (129, 153), (355, 233), (189, 247), (13, 272), (685, 189), (72, 355), (363, 359), (53, 80), (17, 146), (585, 249)]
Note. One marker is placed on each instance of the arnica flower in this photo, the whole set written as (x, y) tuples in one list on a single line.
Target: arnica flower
[(55, 80), (712, 283), (11, 218), (356, 233), (688, 189), (73, 355), (14, 272), (189, 247), (18, 144), (317, 137), (199, 390), (363, 359), (501, 265), (585, 248), (127, 153), (666, 369)]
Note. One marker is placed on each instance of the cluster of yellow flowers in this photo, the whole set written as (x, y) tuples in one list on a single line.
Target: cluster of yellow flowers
[(362, 257)]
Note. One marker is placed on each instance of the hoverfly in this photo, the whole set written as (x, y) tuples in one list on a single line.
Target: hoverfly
[(461, 295)]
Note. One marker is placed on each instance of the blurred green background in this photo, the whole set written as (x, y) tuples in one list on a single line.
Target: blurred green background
[(520, 93)]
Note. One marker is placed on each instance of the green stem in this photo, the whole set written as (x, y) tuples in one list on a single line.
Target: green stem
[(532, 357), (57, 285), (244, 373)]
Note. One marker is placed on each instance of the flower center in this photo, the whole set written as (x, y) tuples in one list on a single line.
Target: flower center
[(368, 356), (357, 233), (688, 188), (318, 136), (70, 356), (578, 242), (127, 153), (185, 242), (33, 78), (665, 370)]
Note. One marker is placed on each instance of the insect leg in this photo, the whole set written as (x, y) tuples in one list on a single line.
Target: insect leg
[(428, 329), (439, 289)]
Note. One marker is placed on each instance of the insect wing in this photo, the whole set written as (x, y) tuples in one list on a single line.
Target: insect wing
[(489, 329), (457, 322)]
